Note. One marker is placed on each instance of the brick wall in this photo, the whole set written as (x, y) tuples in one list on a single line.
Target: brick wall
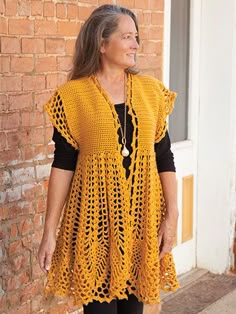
[(37, 41)]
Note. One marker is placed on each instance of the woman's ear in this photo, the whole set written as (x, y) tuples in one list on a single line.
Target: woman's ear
[(102, 47)]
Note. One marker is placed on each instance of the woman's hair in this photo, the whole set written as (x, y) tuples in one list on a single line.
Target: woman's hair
[(98, 27)]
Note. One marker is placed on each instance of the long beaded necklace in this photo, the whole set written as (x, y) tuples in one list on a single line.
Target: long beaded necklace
[(125, 151)]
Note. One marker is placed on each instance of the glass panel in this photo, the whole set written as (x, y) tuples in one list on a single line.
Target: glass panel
[(179, 68)]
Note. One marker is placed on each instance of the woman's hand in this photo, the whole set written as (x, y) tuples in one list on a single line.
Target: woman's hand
[(167, 234), (45, 252)]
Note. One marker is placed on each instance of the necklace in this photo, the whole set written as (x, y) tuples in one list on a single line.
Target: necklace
[(125, 151)]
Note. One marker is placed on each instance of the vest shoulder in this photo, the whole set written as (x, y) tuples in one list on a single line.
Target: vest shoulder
[(73, 85), (147, 79)]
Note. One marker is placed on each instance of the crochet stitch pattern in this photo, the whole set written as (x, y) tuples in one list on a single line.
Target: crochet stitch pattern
[(108, 238)]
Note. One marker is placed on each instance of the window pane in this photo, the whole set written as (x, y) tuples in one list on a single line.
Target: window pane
[(179, 68)]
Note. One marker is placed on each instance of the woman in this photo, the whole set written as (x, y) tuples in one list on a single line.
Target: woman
[(113, 250)]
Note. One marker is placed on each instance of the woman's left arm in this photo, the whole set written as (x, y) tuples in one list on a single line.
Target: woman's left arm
[(168, 228)]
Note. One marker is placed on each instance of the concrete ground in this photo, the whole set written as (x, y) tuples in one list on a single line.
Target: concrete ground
[(202, 292)]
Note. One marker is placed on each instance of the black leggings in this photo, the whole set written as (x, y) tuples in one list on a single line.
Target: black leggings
[(130, 306)]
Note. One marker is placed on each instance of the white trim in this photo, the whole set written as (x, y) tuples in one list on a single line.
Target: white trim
[(166, 45)]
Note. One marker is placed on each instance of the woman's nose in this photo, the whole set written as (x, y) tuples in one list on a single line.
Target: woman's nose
[(135, 44)]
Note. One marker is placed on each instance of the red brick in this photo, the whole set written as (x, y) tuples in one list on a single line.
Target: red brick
[(3, 26), (3, 301), (40, 152), (19, 262), (3, 141), (14, 194), (58, 309), (33, 82), (41, 205), (147, 17), (11, 7), (3, 103), (68, 28), (38, 136), (24, 8), (36, 8), (48, 133), (10, 45), (152, 47), (3, 212), (37, 118), (64, 63), (23, 175), (14, 231), (38, 220), (27, 153), (2, 7), (10, 84), (156, 5), (45, 27), (55, 45), (40, 99), (10, 121), (27, 242), (21, 27), (49, 9), (25, 308), (84, 12), (4, 64), (25, 119), (126, 3), (156, 32), (20, 101), (33, 45), (26, 226), (12, 139), (50, 149), (158, 18), (5, 178), (140, 4), (3, 233), (37, 303), (72, 11), (31, 290), (55, 80), (22, 64), (12, 299), (61, 10), (36, 270), (9, 156), (70, 46), (46, 64), (17, 281), (89, 1), (25, 137), (15, 247), (144, 32), (31, 191)]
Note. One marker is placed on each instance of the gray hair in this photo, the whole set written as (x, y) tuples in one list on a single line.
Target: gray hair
[(99, 26)]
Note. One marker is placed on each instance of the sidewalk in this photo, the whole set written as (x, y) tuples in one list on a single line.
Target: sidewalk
[(202, 292)]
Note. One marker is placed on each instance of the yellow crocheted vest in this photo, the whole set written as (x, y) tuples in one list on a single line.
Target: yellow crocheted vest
[(108, 239)]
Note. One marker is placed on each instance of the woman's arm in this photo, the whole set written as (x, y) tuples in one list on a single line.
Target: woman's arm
[(58, 188), (168, 229)]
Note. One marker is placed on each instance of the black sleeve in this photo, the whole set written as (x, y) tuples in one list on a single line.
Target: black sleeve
[(65, 155), (164, 155)]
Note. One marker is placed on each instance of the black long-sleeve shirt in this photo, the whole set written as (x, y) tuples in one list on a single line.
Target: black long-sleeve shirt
[(65, 156)]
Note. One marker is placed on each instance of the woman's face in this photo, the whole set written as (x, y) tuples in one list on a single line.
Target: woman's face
[(120, 50)]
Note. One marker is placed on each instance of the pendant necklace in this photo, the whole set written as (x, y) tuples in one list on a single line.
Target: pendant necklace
[(125, 151)]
